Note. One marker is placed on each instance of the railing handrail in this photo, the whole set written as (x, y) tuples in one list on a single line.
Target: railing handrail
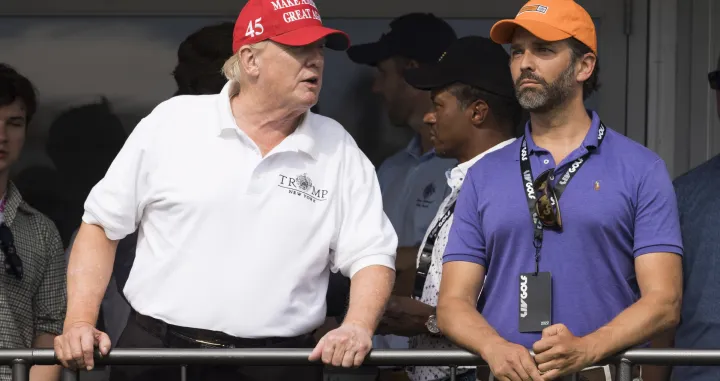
[(279, 356)]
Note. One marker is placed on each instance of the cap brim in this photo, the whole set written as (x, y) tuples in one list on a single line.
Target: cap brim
[(429, 77), (502, 32), (335, 39), (369, 54)]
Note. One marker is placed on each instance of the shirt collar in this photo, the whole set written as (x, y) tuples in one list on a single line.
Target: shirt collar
[(414, 149), (591, 139), (13, 203), (303, 139), (457, 174)]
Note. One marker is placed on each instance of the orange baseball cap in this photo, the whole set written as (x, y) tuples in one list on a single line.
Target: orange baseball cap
[(549, 20)]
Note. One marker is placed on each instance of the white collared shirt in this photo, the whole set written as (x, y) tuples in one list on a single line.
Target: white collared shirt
[(455, 178), (232, 241)]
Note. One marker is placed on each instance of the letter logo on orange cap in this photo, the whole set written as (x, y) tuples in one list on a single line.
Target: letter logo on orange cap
[(533, 8)]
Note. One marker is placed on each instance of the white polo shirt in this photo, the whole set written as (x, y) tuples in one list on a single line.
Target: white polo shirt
[(232, 241)]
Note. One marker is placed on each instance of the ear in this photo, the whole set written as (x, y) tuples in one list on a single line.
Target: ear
[(479, 111), (249, 61), (585, 67)]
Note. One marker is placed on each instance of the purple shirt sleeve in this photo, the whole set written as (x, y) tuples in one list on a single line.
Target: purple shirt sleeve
[(466, 241), (657, 224)]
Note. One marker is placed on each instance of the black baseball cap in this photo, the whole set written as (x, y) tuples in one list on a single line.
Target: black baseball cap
[(419, 36), (473, 60)]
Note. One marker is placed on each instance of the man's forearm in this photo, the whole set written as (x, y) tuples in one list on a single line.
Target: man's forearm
[(89, 271), (405, 269), (369, 292), (465, 326), (44, 373), (660, 372), (648, 317)]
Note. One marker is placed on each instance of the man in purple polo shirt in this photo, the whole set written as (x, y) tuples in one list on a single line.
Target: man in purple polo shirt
[(576, 287)]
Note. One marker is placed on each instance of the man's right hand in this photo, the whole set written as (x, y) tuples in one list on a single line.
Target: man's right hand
[(76, 346), (511, 362)]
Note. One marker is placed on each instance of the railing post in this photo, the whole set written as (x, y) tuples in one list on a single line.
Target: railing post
[(20, 370), (624, 370)]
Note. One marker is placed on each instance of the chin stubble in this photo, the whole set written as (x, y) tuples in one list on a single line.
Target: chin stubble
[(549, 95)]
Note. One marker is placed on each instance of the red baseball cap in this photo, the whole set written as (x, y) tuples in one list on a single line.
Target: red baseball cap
[(288, 22)]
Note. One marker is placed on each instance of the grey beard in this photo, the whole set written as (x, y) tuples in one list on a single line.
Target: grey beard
[(550, 95)]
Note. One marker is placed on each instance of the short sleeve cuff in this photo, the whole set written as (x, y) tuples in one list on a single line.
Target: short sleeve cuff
[(387, 260), (659, 249), (464, 258), (112, 235)]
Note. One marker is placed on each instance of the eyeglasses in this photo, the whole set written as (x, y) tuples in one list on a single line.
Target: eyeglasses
[(714, 79), (13, 263), (547, 206)]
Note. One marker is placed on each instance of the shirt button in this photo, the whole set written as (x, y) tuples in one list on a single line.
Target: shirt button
[(546, 161)]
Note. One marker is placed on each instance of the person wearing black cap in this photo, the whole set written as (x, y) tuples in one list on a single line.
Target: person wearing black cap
[(474, 113), (412, 181)]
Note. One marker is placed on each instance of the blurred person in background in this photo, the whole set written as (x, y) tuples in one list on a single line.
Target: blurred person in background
[(32, 296), (412, 181), (474, 113), (699, 207)]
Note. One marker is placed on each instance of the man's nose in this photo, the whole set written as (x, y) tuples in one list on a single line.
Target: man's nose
[(429, 118)]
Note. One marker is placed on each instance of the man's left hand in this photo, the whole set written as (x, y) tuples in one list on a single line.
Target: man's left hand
[(559, 352), (345, 346)]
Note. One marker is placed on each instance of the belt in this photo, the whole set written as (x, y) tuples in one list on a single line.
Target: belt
[(204, 338), (594, 374)]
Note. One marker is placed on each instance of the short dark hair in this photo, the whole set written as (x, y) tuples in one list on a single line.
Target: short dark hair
[(507, 111), (201, 57), (578, 50), (14, 86)]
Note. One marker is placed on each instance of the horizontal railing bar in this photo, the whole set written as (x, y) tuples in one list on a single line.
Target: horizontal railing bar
[(673, 356), (253, 356), (272, 356)]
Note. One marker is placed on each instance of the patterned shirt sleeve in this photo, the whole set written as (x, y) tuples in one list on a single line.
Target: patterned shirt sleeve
[(50, 300)]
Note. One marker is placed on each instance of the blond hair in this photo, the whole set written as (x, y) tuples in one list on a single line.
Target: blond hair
[(232, 68)]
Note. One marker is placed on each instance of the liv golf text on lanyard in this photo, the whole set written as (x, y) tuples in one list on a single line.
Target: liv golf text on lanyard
[(536, 288)]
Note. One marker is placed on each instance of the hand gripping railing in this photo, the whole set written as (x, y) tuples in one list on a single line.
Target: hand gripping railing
[(22, 359)]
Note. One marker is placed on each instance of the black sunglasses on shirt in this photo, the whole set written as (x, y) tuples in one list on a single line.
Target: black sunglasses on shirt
[(714, 79), (13, 263), (547, 206)]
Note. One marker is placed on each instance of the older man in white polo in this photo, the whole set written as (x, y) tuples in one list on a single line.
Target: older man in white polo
[(244, 201)]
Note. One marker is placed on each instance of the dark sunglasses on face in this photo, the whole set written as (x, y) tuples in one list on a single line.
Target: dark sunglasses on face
[(13, 263), (547, 206), (714, 79)]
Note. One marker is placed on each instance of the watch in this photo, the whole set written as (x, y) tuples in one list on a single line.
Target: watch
[(431, 324)]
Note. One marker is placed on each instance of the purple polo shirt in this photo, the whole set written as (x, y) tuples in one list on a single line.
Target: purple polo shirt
[(620, 205)]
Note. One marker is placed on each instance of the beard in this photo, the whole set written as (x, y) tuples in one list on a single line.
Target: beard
[(550, 95)]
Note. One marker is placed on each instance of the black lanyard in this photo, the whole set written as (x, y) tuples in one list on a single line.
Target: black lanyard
[(530, 194), (426, 254)]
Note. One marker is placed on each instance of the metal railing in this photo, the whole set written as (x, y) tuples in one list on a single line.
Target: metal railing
[(22, 359)]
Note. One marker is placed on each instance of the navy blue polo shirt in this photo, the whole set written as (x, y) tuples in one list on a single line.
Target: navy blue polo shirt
[(619, 205), (699, 208)]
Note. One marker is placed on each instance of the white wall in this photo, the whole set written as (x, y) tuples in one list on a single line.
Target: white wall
[(328, 8), (697, 126)]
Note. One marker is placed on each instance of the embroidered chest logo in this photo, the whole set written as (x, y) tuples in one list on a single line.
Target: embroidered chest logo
[(303, 186), (428, 192), (533, 8)]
